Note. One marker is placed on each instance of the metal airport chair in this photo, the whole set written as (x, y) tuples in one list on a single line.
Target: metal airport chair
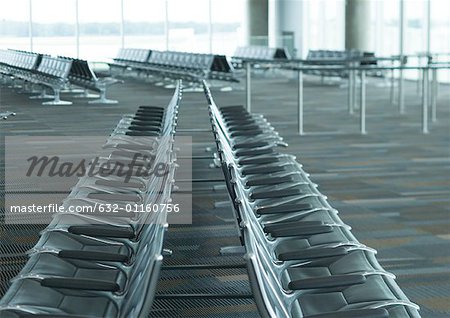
[(59, 301), (354, 262)]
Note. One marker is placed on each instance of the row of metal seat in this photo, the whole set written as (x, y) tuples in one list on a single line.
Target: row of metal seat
[(325, 55), (258, 53), (57, 73), (303, 260), (83, 76), (169, 64), (133, 55), (129, 57), (100, 262), (341, 58), (37, 69)]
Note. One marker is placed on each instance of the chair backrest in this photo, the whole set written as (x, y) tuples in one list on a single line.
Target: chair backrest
[(261, 53), (58, 67), (20, 59), (133, 55)]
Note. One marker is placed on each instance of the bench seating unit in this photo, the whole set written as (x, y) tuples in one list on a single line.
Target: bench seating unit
[(334, 57), (193, 67), (303, 260), (37, 69), (258, 53), (96, 264), (14, 62), (52, 72), (128, 57), (82, 75)]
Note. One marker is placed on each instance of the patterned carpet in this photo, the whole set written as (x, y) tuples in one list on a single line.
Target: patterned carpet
[(392, 185)]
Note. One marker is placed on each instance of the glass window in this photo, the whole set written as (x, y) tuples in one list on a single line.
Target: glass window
[(388, 34), (14, 25), (325, 25), (440, 33), (54, 27), (99, 28), (228, 32), (188, 28), (145, 24)]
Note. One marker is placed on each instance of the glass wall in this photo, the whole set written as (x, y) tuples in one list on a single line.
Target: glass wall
[(387, 27), (188, 28), (100, 28), (227, 29), (14, 27), (325, 25), (144, 25), (54, 33), (213, 26), (440, 33)]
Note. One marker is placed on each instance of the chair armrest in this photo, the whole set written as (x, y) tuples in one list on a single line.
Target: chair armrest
[(267, 181), (93, 256), (283, 225), (301, 230), (258, 160), (96, 230), (354, 313), (327, 282), (286, 208), (312, 253), (80, 283)]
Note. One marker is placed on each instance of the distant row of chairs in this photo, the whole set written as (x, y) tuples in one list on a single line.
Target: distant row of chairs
[(340, 58), (192, 67), (105, 263), (82, 75), (56, 73), (258, 54), (264, 54), (303, 261)]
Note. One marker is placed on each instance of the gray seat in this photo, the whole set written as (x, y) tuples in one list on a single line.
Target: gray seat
[(303, 260), (376, 292)]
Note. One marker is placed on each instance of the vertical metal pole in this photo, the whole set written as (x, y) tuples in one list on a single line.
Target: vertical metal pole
[(434, 95), (300, 102), (392, 92), (354, 89), (248, 86), (428, 45), (362, 108), (425, 101), (378, 19), (323, 38), (428, 27), (77, 29), (401, 96), (210, 27), (350, 90), (122, 25), (30, 24), (419, 77), (166, 25)]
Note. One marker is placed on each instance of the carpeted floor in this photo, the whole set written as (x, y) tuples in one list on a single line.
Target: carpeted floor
[(392, 185)]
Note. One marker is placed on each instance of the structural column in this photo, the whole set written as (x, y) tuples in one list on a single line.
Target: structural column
[(122, 26), (257, 27), (401, 82), (357, 25), (288, 17), (30, 24), (77, 29)]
